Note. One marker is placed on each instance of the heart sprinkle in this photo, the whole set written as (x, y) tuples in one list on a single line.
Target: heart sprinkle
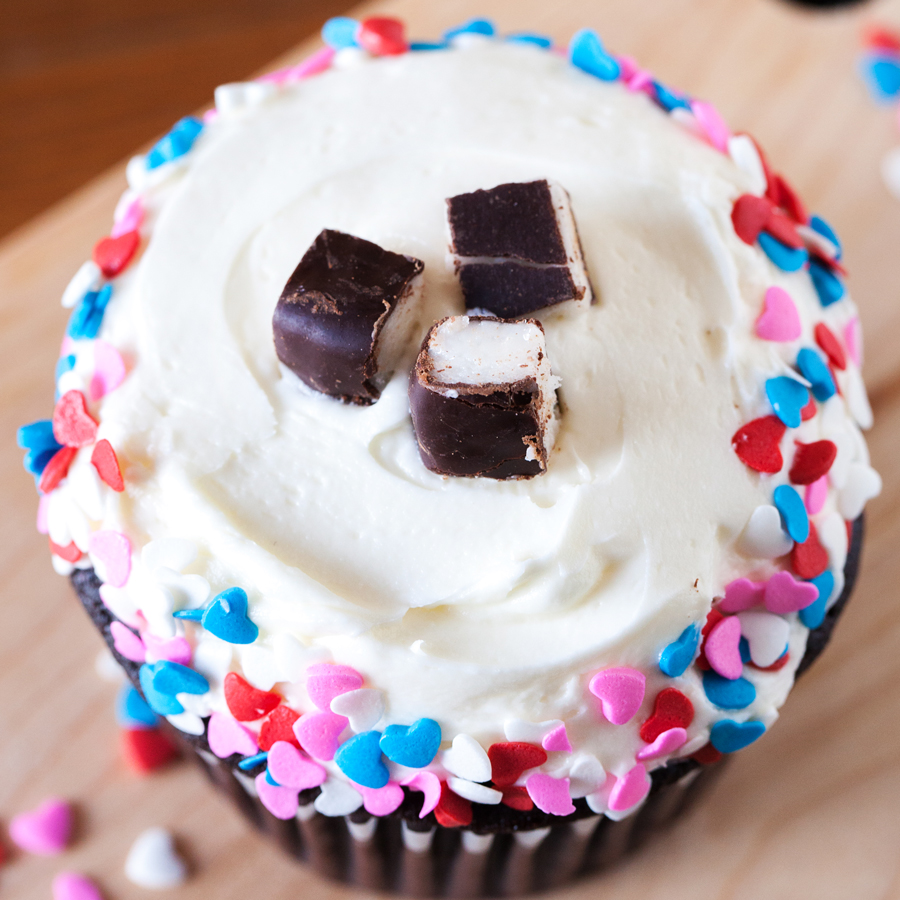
[(430, 785), (226, 617), (73, 425), (630, 789), (793, 512), (112, 254), (812, 462), (757, 444), (415, 745), (292, 768), (728, 736), (227, 736), (810, 558), (452, 811), (668, 742), (779, 320), (318, 734), (784, 594), (510, 759), (727, 693), (467, 759), (245, 702), (145, 750), (278, 726), (788, 397), (326, 681), (105, 461), (678, 655), (721, 648), (550, 795), (620, 691), (74, 886), (153, 861), (44, 830), (671, 709)]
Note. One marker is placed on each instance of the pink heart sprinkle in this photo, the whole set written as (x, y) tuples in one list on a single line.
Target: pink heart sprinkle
[(628, 67), (779, 320), (557, 740), (816, 494), (784, 594), (281, 801), (430, 785), (326, 681), (112, 550), (621, 692), (630, 789), (313, 64), (741, 594), (668, 742), (175, 649), (550, 795), (74, 886), (44, 830), (381, 801), (851, 339), (640, 81), (43, 525), (318, 733), (722, 648), (127, 643), (292, 768), (711, 123), (227, 736), (130, 219), (109, 370)]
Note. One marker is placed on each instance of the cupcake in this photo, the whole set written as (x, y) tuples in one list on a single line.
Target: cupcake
[(458, 443)]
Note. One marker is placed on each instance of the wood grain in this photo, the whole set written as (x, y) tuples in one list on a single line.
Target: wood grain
[(808, 812)]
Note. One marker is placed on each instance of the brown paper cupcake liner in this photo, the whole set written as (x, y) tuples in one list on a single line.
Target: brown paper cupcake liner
[(503, 852)]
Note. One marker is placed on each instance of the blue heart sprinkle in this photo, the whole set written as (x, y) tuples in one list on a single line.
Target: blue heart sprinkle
[(815, 370), (678, 655), (340, 32), (828, 286), (37, 436), (744, 648), (251, 762), (814, 614), (161, 703), (473, 26), (35, 462), (882, 76), (176, 143), (87, 317), (427, 45), (226, 617), (360, 760), (794, 517), (728, 736), (539, 40), (788, 259), (415, 745), (171, 678), (271, 780), (728, 694), (64, 364), (586, 53), (787, 397), (820, 226), (668, 99), (132, 710)]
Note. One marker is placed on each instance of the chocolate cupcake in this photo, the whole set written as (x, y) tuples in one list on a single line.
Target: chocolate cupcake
[(458, 443)]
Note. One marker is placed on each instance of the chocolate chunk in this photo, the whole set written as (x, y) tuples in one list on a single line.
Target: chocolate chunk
[(516, 248), (483, 398), (346, 315)]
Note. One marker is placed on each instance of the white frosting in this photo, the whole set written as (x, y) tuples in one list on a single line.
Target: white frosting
[(470, 601)]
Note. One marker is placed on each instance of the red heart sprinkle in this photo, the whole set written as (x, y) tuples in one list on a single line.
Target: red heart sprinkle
[(517, 798), (756, 444), (382, 36), (783, 196), (106, 463), (510, 759), (749, 217), (279, 726), (707, 755), (671, 709), (779, 663), (809, 410), (56, 469), (849, 532), (452, 810), (146, 749), (784, 229), (245, 702), (113, 254), (812, 461), (809, 559), (70, 553), (713, 617), (881, 39), (73, 425), (826, 339)]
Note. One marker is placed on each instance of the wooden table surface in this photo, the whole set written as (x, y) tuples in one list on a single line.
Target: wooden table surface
[(810, 811)]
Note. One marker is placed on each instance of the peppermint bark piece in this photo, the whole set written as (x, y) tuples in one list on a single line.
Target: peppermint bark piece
[(483, 398), (516, 250), (346, 315)]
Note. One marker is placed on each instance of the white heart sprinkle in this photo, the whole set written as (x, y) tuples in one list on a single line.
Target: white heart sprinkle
[(293, 658), (767, 635), (198, 704), (169, 553), (586, 775), (188, 591), (846, 450), (212, 657), (119, 603), (240, 95), (363, 707), (833, 537), (763, 537), (87, 278), (188, 722), (152, 861), (863, 483), (529, 732), (107, 668), (858, 399), (890, 171), (467, 759), (337, 798), (477, 793), (746, 157), (259, 666)]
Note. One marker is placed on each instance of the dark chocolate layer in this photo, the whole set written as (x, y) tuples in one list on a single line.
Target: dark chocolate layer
[(510, 290), (328, 318)]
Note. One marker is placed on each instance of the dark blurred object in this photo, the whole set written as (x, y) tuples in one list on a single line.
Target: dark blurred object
[(83, 83), (826, 4)]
